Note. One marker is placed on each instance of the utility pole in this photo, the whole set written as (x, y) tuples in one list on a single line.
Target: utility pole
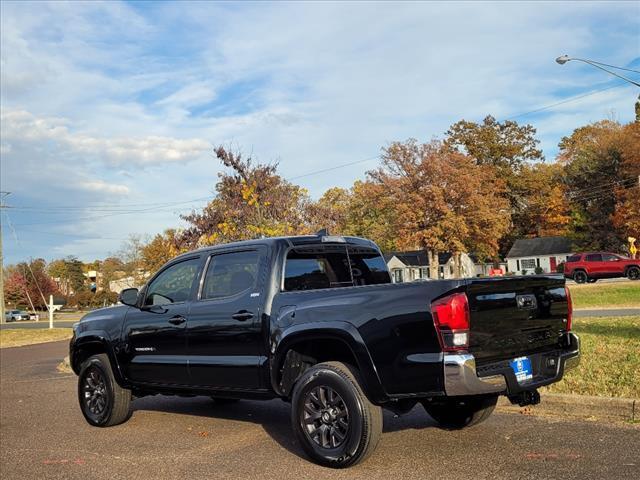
[(2, 317)]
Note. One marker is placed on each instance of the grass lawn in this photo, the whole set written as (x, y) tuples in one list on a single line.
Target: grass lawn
[(615, 294), (26, 336), (610, 362)]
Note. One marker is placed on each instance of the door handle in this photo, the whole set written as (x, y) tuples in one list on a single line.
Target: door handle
[(177, 320), (242, 315)]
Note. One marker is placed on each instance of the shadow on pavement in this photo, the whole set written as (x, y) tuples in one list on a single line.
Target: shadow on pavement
[(273, 415)]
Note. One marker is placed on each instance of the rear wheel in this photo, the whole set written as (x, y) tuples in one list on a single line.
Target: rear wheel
[(633, 273), (457, 413), (580, 277), (103, 402), (333, 420)]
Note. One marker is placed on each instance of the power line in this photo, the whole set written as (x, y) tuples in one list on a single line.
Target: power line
[(614, 66), (333, 168), (568, 100)]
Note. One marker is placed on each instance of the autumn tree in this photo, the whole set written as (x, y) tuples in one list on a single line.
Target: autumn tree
[(371, 214), (546, 211), (600, 163), (29, 285), (365, 210), (162, 248), (509, 148), (626, 215), (251, 201), (443, 201), (330, 211)]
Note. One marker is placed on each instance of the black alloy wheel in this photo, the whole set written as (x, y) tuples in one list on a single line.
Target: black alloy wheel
[(333, 420), (633, 273), (94, 392), (580, 277), (103, 402), (326, 417)]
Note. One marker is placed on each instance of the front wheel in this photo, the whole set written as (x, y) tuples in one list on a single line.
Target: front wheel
[(457, 413), (633, 273), (103, 402), (333, 420)]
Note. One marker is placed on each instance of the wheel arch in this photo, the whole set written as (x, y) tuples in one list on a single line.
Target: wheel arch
[(93, 343), (304, 345)]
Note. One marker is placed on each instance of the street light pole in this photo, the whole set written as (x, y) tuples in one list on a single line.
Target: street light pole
[(566, 58)]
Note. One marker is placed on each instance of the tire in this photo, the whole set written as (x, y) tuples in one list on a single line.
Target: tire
[(580, 277), (224, 400), (333, 420), (454, 414), (592, 280), (103, 402), (633, 273)]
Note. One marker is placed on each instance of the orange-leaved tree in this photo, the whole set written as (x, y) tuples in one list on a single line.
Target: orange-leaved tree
[(442, 200), (251, 201)]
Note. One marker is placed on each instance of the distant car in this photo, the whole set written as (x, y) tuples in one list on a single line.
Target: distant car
[(15, 315), (591, 266)]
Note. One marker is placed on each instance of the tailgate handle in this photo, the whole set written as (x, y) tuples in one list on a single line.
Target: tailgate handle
[(527, 302)]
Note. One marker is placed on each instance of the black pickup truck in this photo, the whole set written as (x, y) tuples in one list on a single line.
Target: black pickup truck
[(316, 321)]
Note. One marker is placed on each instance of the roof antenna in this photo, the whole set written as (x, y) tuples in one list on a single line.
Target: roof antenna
[(322, 232)]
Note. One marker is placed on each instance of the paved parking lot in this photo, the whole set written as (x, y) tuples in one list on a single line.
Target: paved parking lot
[(43, 435)]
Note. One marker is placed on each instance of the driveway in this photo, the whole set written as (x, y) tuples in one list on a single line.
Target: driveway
[(45, 436)]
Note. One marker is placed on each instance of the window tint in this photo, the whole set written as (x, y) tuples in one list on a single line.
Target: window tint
[(314, 268), (173, 284), (573, 258), (594, 257), (367, 266), (230, 274), (608, 257)]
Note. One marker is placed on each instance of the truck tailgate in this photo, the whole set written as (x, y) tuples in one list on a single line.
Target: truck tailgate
[(516, 316)]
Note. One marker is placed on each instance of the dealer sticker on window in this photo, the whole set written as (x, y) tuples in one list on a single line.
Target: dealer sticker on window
[(522, 368)]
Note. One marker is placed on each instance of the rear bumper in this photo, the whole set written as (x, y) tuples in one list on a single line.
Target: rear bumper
[(463, 377)]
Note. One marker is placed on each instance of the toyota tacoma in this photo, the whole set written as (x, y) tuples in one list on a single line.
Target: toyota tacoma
[(316, 321)]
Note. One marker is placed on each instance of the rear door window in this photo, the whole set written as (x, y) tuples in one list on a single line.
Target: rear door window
[(230, 274), (594, 257), (312, 268), (367, 266)]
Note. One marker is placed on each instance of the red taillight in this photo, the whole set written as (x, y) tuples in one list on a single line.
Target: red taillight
[(569, 308), (451, 319)]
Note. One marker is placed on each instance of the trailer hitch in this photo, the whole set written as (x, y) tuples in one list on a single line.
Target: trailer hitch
[(528, 397)]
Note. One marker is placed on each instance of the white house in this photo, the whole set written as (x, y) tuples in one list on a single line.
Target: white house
[(414, 265), (547, 253)]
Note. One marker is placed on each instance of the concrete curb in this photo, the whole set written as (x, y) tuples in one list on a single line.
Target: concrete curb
[(606, 408)]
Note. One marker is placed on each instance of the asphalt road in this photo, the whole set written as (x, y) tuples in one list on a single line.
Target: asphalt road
[(43, 435)]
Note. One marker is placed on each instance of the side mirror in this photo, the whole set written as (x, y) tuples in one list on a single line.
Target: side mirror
[(129, 296)]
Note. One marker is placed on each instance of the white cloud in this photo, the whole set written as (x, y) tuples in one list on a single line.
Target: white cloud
[(22, 126), (100, 186), (131, 99)]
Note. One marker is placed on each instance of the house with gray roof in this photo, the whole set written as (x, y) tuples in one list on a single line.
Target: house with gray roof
[(414, 265), (547, 253)]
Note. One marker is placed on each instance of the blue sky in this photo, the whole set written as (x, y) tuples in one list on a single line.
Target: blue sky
[(110, 110)]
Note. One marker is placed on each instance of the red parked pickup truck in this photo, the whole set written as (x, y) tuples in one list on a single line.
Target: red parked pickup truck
[(591, 266)]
